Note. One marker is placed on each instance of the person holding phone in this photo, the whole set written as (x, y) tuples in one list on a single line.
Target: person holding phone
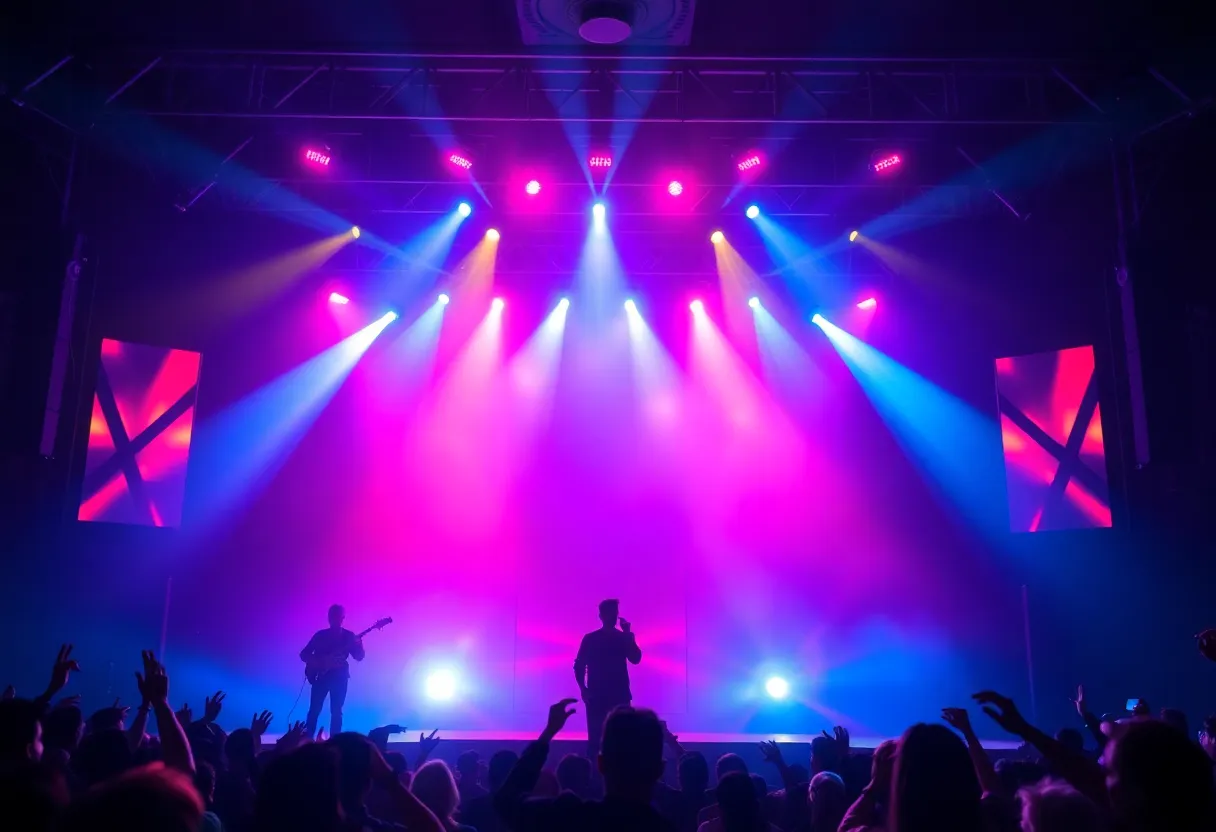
[(602, 670)]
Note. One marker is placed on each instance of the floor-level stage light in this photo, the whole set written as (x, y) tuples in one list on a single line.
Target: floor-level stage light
[(717, 237), (464, 209), (753, 211), (492, 235)]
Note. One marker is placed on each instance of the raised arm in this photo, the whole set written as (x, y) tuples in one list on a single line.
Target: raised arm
[(511, 799), (959, 720), (632, 652), (1087, 716), (154, 687)]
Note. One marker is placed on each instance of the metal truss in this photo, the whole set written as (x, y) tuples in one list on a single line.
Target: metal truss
[(686, 89)]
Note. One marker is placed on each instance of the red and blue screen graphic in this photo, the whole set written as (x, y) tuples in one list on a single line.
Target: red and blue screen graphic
[(1051, 430), (139, 435)]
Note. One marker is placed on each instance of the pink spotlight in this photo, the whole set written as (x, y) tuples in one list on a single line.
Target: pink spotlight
[(886, 163), (675, 188), (498, 304), (460, 161), (697, 307), (868, 303), (316, 157), (749, 162), (532, 188), (338, 299), (600, 160)]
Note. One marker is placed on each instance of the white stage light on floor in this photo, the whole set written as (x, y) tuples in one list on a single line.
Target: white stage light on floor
[(776, 687), (441, 685)]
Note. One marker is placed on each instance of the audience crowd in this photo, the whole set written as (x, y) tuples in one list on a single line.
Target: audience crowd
[(61, 771)]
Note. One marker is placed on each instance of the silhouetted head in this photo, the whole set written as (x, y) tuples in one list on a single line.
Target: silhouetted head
[(1071, 738), (102, 756), (610, 610), (574, 774), (500, 766), (468, 766), (825, 755), (204, 781), (758, 785), (827, 801), (631, 753), (241, 748), (1157, 779), (1051, 805), (337, 614), (354, 768), (298, 792), (1207, 736), (728, 763), (62, 728), (148, 799), (32, 796), (1176, 719), (738, 803), (693, 772), (435, 787), (20, 731), (935, 786)]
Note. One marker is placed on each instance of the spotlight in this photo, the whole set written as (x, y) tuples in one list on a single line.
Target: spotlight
[(631, 307), (885, 163), (443, 299), (697, 307), (753, 211), (717, 237), (598, 210), (776, 687), (497, 304), (338, 299), (391, 316), (441, 685), (868, 303), (600, 160), (461, 161), (355, 232), (818, 320), (853, 235), (563, 304), (532, 188), (464, 209), (754, 302), (492, 235), (318, 157), (675, 188)]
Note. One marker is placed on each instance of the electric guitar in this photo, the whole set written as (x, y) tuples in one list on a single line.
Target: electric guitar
[(319, 665)]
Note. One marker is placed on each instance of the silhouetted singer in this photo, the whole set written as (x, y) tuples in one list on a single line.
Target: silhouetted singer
[(603, 676)]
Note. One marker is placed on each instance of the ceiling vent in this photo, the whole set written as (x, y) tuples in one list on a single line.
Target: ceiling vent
[(645, 23)]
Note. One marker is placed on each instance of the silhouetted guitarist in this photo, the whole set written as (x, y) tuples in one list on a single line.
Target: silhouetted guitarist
[(327, 651)]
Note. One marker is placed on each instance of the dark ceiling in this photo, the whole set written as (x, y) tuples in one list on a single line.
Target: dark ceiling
[(1080, 28)]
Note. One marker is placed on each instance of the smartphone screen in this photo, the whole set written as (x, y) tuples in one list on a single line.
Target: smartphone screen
[(1132, 704)]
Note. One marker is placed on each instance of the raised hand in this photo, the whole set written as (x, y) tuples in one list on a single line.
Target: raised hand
[(154, 683), (185, 716), (1003, 712), (840, 736), (260, 723), (212, 706), (1079, 703), (293, 737), (958, 719), (320, 735), (626, 626), (772, 753), (428, 744), (61, 670), (559, 713)]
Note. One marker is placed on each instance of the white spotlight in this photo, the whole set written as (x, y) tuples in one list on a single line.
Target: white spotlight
[(441, 685), (444, 300), (776, 687), (597, 211), (563, 304), (497, 304), (631, 307), (754, 303)]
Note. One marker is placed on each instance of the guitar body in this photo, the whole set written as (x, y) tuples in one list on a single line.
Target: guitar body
[(319, 666)]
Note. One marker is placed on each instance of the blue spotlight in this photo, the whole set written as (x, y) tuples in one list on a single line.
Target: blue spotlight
[(598, 210), (754, 302), (631, 307), (776, 687), (443, 299), (753, 211), (818, 320), (464, 209)]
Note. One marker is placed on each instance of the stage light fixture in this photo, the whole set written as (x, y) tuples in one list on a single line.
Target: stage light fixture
[(497, 304), (853, 235), (776, 687), (598, 210), (697, 307), (818, 320), (443, 299), (492, 235), (391, 315), (464, 209), (753, 211), (355, 232), (563, 304), (338, 299), (885, 162), (630, 306), (600, 161), (675, 187), (717, 237), (441, 685), (532, 188), (459, 160), (318, 156), (868, 303), (754, 302)]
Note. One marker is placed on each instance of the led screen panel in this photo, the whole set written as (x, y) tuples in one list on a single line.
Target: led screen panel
[(139, 435), (1051, 430)]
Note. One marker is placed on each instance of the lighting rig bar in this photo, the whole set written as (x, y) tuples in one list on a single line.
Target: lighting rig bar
[(417, 87)]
